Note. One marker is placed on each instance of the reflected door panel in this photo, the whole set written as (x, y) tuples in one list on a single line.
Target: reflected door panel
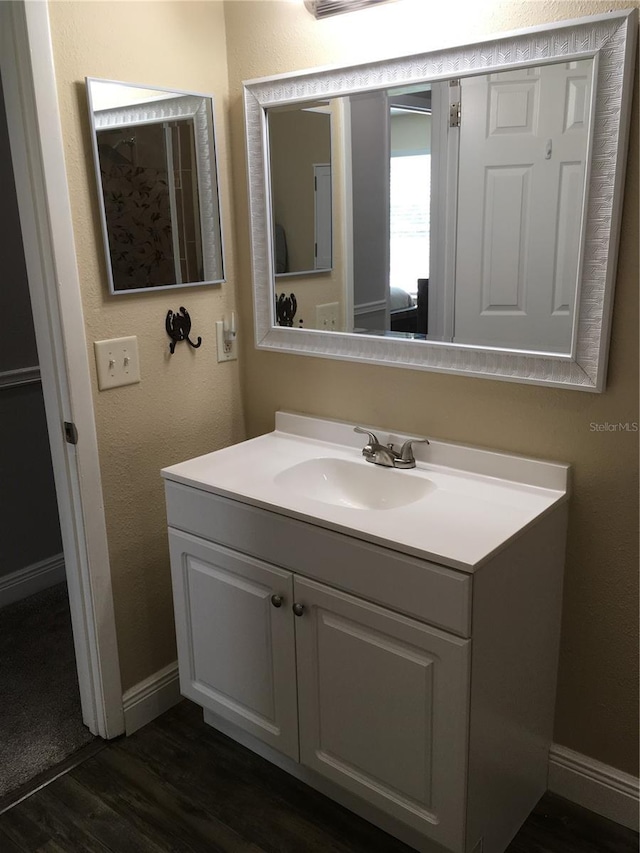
[(522, 166)]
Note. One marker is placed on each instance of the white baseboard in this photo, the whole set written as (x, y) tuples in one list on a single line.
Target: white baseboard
[(583, 780), (150, 698), (32, 579), (596, 786)]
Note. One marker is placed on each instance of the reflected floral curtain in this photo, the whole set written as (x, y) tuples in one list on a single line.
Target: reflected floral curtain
[(139, 226)]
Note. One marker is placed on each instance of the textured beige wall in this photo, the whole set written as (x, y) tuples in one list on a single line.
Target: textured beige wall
[(186, 404), (597, 695), (298, 139), (320, 288)]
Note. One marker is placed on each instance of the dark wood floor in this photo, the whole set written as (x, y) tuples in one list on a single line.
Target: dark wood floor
[(177, 785)]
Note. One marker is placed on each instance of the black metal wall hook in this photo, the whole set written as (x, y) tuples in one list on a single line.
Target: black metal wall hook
[(178, 326), (286, 307)]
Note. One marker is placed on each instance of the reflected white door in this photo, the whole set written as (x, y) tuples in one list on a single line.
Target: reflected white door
[(322, 205), (523, 149)]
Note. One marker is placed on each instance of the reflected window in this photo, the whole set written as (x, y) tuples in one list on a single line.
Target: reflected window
[(410, 194), (409, 191)]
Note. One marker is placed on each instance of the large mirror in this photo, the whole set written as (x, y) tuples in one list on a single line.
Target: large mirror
[(155, 161), (475, 202)]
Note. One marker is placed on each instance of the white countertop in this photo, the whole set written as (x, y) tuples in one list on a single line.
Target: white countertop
[(478, 500)]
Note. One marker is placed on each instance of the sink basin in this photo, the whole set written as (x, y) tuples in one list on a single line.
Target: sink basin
[(358, 485), (456, 508)]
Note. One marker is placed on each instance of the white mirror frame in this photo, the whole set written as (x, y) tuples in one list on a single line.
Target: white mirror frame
[(610, 40), (185, 105)]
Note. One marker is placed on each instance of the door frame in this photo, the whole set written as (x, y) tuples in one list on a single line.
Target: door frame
[(322, 224), (35, 133)]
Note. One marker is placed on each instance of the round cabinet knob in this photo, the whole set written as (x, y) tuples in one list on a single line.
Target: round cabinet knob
[(276, 600), (298, 609)]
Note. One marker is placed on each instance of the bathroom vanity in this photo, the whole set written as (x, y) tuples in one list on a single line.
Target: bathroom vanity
[(388, 636)]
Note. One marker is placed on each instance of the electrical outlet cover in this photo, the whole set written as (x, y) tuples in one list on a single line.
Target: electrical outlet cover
[(227, 349)]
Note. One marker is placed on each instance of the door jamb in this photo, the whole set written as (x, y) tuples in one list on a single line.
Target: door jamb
[(26, 58)]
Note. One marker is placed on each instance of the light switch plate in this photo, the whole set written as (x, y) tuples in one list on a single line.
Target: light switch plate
[(117, 362), (327, 316)]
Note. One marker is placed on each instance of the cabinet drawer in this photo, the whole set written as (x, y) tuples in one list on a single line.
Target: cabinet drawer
[(435, 594)]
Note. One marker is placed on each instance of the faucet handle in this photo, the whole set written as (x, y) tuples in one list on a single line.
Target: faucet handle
[(406, 451), (372, 436), (369, 450)]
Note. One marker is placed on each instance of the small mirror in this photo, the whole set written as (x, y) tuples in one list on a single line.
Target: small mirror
[(154, 154), (300, 163)]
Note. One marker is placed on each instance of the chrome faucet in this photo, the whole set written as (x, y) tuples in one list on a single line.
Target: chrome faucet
[(387, 455)]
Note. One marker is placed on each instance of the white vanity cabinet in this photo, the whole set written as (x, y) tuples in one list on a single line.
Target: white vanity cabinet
[(368, 698), (416, 688)]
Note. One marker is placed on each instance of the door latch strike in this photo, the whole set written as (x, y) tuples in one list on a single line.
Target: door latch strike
[(70, 432)]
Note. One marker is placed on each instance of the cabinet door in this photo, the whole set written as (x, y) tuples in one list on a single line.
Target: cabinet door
[(383, 708), (236, 650)]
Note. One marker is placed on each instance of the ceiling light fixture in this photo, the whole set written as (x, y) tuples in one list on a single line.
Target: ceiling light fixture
[(325, 8)]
